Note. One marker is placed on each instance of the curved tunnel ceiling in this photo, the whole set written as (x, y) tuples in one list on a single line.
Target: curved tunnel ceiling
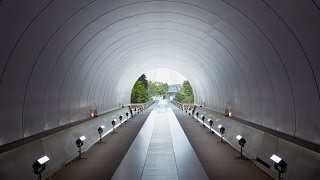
[(60, 56)]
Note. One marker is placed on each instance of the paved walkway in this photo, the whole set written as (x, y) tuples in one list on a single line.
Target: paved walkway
[(217, 159), (103, 159), (161, 150), (170, 145)]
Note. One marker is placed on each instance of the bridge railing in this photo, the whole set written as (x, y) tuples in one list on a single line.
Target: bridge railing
[(142, 105), (183, 106)]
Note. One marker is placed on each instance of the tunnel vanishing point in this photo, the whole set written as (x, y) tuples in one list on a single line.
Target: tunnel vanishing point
[(60, 59)]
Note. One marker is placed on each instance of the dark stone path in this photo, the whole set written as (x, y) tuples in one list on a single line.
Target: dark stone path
[(104, 159)]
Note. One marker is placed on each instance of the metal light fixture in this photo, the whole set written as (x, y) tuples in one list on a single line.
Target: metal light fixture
[(113, 122), (211, 124), (79, 143), (39, 166), (120, 118), (222, 131), (127, 116), (93, 111), (227, 113), (131, 112), (100, 131), (241, 142), (203, 118), (279, 164), (197, 115)]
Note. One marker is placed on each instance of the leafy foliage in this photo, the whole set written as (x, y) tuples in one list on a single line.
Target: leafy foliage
[(144, 81), (139, 92), (157, 88), (185, 94), (143, 90)]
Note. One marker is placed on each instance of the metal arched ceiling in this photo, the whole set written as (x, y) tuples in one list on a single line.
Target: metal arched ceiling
[(59, 56)]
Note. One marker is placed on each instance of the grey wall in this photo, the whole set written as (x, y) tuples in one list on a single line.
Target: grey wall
[(59, 56), (59, 147), (302, 162)]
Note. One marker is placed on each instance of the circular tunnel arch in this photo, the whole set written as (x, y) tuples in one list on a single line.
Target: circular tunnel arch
[(251, 67)]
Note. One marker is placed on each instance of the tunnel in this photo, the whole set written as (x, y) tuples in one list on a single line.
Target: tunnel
[(259, 59)]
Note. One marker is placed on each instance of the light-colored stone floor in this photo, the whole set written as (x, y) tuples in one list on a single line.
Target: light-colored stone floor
[(161, 150)]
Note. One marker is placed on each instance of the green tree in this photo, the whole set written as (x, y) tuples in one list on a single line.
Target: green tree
[(144, 81), (157, 88), (139, 93), (185, 93), (152, 88), (162, 88), (180, 96)]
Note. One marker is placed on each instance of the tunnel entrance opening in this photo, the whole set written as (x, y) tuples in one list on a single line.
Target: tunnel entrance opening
[(162, 83)]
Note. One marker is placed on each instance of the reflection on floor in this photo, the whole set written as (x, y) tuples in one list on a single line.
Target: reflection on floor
[(161, 150)]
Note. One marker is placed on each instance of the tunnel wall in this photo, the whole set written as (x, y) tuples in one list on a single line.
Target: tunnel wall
[(302, 163), (59, 56), (59, 147)]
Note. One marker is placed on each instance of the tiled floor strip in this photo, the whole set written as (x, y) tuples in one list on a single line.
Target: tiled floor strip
[(161, 150)]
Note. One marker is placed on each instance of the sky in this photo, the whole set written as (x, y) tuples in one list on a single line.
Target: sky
[(165, 75)]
